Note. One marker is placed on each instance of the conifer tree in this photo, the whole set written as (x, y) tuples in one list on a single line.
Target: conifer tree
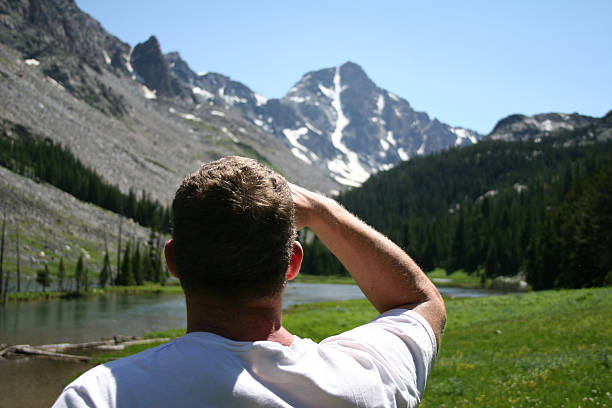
[(105, 272), (127, 275), (61, 273), (78, 274), (136, 266), (43, 277)]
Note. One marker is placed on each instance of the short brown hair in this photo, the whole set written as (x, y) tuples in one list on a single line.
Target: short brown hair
[(233, 230)]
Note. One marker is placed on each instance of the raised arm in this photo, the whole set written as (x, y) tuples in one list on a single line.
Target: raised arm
[(388, 277)]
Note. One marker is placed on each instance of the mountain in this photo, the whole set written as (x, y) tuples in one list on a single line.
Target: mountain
[(521, 127), (536, 207), (141, 119), (64, 79), (336, 119)]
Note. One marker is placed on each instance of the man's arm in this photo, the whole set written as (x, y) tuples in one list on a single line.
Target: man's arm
[(388, 277)]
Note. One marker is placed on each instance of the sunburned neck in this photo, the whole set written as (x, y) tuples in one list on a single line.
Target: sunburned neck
[(251, 322)]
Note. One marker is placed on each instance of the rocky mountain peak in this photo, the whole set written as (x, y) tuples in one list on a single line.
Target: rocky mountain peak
[(520, 127), (152, 68)]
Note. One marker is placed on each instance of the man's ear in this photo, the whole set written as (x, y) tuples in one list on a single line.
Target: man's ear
[(169, 252), (296, 261)]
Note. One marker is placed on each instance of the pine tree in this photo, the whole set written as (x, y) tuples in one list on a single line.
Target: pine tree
[(78, 274), (116, 280), (127, 276), (105, 272), (43, 277), (136, 266), (61, 273)]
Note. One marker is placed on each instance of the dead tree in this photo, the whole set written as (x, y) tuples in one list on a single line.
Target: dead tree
[(18, 262), (2, 254)]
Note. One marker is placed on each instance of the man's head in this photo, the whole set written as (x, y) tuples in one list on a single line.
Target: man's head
[(233, 231)]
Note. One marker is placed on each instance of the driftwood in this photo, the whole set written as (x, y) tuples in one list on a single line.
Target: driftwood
[(55, 351)]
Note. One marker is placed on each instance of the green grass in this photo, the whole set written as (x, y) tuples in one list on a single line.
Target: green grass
[(456, 279), (146, 288), (336, 279), (547, 349)]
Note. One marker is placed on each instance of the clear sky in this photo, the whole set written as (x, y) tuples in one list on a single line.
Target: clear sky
[(467, 63)]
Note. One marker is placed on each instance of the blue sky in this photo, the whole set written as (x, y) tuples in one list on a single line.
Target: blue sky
[(467, 63)]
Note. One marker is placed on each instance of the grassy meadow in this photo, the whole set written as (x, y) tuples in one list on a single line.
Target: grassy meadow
[(537, 349)]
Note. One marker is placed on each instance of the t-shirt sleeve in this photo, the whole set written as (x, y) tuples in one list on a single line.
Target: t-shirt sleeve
[(399, 346), (71, 398)]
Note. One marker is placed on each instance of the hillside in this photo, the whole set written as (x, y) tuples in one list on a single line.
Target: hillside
[(485, 208)]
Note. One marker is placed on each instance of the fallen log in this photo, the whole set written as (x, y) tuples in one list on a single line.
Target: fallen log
[(55, 351), (29, 350)]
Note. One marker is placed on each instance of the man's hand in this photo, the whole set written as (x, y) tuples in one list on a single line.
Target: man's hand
[(306, 205), (385, 273)]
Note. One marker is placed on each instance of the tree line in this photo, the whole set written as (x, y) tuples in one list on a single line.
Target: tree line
[(496, 209), (137, 264), (55, 164)]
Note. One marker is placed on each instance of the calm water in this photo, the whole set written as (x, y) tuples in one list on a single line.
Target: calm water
[(89, 319)]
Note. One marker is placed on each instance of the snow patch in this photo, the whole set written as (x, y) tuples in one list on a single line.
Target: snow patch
[(390, 138), (380, 104), (217, 113), (201, 74), (128, 64), (230, 135), (149, 94), (297, 99), (463, 134), (385, 145), (402, 154), (260, 100), (297, 153), (202, 92), (33, 62), (421, 150), (314, 129), (330, 93), (351, 172), (107, 59), (258, 122), (231, 99), (189, 116), (394, 97), (298, 149)]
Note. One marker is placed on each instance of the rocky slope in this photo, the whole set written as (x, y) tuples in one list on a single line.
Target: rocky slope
[(521, 127)]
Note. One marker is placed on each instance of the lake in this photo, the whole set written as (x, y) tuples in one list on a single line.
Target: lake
[(95, 317)]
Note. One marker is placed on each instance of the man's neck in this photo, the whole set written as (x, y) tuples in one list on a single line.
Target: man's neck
[(251, 322)]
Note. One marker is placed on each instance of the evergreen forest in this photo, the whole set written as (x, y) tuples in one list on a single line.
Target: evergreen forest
[(540, 208), (42, 159)]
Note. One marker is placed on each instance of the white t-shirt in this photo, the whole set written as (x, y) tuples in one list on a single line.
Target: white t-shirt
[(384, 363)]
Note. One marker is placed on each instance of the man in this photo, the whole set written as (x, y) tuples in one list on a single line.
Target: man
[(233, 250)]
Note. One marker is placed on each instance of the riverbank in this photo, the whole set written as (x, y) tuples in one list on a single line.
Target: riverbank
[(535, 349), (457, 279), (172, 286)]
